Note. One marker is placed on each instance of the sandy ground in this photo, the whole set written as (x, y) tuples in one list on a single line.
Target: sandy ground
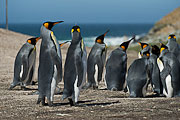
[(100, 104)]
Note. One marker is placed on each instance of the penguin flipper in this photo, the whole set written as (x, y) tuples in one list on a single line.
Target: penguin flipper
[(57, 61), (79, 68), (25, 67), (165, 72)]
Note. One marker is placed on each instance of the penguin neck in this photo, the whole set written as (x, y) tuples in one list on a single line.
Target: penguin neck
[(76, 40), (172, 40), (164, 52)]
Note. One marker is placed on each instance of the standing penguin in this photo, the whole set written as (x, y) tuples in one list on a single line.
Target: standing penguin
[(154, 70), (50, 64), (95, 62), (154, 73), (173, 46), (170, 68), (137, 78), (139, 73), (75, 67), (25, 64), (116, 67)]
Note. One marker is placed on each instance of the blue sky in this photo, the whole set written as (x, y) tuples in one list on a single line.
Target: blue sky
[(87, 11)]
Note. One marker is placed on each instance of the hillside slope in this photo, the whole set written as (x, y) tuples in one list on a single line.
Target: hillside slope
[(169, 24)]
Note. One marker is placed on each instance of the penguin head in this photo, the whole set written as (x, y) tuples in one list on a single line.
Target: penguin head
[(172, 37), (33, 41), (163, 47), (100, 39), (76, 33), (146, 54), (125, 45), (143, 45), (155, 50), (49, 24)]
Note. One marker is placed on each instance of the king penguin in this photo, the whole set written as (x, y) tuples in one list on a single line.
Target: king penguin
[(154, 70), (173, 46), (95, 62), (170, 68), (24, 64), (138, 76), (75, 67), (116, 67), (154, 74), (50, 64)]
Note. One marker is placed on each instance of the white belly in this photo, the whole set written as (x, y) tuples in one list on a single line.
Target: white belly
[(167, 81), (169, 87), (53, 83), (21, 73), (160, 65), (96, 75)]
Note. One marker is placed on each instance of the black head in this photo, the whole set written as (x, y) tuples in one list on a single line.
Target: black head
[(33, 41), (100, 39), (172, 36), (76, 33), (75, 29), (155, 50), (49, 24), (146, 54), (125, 45), (143, 45), (163, 47)]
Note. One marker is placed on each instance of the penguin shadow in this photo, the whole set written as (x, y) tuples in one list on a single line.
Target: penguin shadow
[(22, 89), (68, 103), (155, 96), (100, 104)]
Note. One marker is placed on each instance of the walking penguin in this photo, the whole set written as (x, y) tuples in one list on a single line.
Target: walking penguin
[(96, 61), (24, 64), (50, 64), (75, 67)]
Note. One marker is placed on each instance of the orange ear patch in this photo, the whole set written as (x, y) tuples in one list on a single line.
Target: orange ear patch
[(123, 47), (162, 49), (78, 30), (144, 46), (147, 54), (99, 41), (46, 25), (169, 37), (29, 41)]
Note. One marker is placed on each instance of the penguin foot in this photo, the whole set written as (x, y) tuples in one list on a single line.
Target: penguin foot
[(114, 89), (41, 100), (125, 90), (71, 102), (33, 83), (38, 101), (11, 87), (50, 104), (94, 87), (88, 85), (23, 88)]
